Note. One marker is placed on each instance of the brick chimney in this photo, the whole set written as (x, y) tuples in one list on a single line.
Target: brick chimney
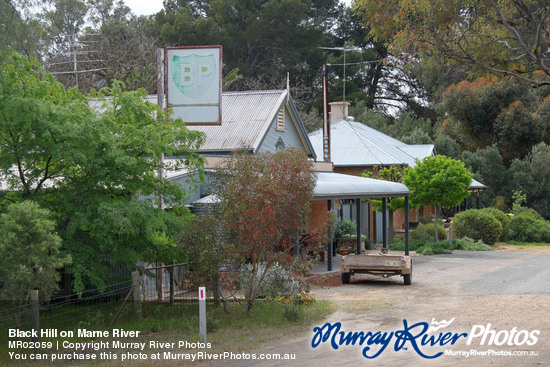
[(338, 111)]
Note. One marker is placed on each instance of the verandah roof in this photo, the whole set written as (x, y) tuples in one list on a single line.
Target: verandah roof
[(332, 185)]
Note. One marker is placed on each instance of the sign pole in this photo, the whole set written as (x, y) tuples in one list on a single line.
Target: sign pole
[(326, 118), (202, 314)]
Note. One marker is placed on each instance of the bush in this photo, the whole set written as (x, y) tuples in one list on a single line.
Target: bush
[(425, 232), (502, 217), (469, 244), (277, 281), (426, 219), (527, 228), (428, 251), (424, 247), (478, 225), (345, 229)]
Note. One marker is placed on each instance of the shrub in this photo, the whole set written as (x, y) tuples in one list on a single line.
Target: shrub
[(424, 247), (278, 281), (469, 244), (527, 228), (345, 228), (428, 251), (426, 219), (425, 232), (478, 225), (502, 217)]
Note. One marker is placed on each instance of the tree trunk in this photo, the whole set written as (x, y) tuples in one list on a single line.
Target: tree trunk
[(435, 221)]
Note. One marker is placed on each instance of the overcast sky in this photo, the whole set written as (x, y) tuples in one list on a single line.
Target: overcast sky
[(147, 7)]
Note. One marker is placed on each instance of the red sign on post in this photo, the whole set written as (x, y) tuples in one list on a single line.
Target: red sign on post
[(202, 293)]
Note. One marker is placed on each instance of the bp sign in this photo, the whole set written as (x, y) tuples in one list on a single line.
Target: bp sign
[(193, 83)]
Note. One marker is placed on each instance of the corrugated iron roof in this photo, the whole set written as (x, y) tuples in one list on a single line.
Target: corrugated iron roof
[(356, 144), (335, 185), (246, 116)]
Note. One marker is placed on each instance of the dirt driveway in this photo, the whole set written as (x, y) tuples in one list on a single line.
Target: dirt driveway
[(508, 289)]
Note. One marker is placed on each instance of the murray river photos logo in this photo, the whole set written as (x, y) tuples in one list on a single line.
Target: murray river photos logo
[(420, 337)]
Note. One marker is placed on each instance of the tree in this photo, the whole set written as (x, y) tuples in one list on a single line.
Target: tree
[(438, 180), (90, 167), (509, 37), (531, 176), (393, 174), (491, 110), (18, 32), (29, 253), (265, 40), (488, 167), (265, 201)]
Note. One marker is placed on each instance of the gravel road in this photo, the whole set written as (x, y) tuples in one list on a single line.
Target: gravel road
[(508, 288)]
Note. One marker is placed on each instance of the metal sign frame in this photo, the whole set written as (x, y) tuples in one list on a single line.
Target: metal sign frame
[(188, 107)]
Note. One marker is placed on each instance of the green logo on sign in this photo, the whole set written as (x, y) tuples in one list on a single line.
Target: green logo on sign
[(193, 75)]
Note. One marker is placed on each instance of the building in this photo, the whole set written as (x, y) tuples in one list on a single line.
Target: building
[(357, 148)]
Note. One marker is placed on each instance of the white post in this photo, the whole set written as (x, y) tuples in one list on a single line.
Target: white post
[(202, 314)]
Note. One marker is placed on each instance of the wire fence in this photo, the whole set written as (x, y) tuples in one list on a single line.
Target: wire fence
[(115, 305)]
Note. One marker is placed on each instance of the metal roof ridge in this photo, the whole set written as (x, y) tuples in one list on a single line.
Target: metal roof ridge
[(273, 91), (362, 138)]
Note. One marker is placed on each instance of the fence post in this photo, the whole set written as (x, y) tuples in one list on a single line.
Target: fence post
[(35, 314), (137, 293), (171, 274)]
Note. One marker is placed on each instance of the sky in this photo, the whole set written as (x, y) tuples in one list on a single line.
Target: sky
[(147, 7)]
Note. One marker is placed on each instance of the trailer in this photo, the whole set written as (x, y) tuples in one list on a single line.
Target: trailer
[(381, 263)]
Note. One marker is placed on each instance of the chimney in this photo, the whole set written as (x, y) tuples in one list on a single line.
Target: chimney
[(338, 111)]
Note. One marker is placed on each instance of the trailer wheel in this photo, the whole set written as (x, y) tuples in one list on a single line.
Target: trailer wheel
[(346, 277), (407, 278)]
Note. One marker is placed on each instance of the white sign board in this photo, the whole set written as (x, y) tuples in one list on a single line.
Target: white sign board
[(193, 78)]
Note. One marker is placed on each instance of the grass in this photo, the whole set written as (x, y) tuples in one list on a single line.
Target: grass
[(527, 244), (233, 331), (441, 247)]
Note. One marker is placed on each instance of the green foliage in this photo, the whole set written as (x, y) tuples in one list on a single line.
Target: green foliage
[(469, 244), (426, 219), (280, 36), (445, 145), (519, 199), (442, 247), (438, 180), (427, 251), (500, 37), (88, 167), (345, 229), (425, 232), (528, 228), (528, 175), (503, 218), (488, 167), (29, 253), (204, 243), (478, 225)]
